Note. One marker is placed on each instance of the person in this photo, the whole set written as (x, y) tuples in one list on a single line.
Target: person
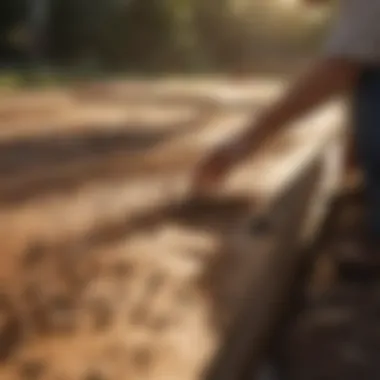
[(349, 63)]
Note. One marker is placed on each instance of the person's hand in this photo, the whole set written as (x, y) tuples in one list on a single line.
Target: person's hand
[(217, 165)]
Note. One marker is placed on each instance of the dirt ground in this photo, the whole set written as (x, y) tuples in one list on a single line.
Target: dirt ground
[(105, 274), (88, 270)]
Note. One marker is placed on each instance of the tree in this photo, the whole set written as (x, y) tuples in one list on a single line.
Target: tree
[(12, 17)]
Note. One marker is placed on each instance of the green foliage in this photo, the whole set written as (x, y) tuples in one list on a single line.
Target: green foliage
[(157, 35)]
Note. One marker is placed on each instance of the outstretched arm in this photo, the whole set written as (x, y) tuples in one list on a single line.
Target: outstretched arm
[(327, 78), (353, 45)]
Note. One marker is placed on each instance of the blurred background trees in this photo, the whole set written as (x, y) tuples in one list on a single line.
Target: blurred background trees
[(157, 35)]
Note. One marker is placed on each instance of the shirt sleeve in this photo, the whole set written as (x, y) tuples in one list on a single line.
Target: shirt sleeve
[(356, 33)]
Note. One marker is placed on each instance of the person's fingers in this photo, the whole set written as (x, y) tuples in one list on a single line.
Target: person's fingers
[(212, 171), (207, 182), (203, 181), (205, 178)]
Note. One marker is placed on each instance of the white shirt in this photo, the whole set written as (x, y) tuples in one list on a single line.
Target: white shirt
[(356, 34)]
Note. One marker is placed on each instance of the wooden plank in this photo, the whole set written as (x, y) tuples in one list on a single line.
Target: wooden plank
[(198, 89), (292, 221), (133, 162), (268, 272), (126, 197), (32, 103), (74, 110), (82, 118)]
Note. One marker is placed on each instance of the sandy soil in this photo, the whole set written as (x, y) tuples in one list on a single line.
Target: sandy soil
[(108, 271)]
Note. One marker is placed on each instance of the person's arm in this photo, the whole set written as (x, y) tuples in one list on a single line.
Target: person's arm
[(327, 78), (353, 44)]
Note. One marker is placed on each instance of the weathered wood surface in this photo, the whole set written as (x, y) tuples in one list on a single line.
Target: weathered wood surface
[(109, 271)]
